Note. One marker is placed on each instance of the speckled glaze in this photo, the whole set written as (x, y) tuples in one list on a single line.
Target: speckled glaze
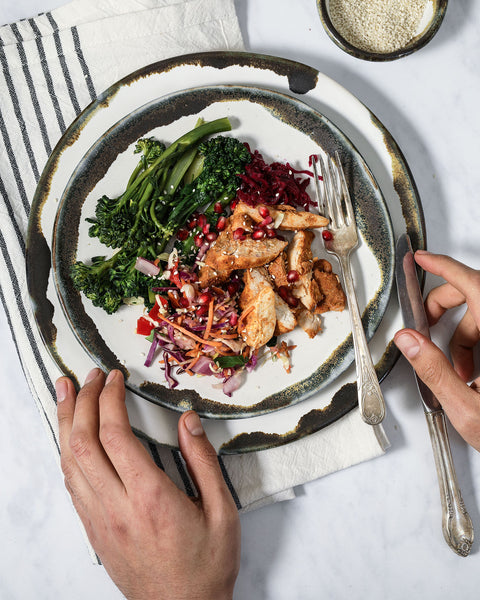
[(419, 41), (210, 70)]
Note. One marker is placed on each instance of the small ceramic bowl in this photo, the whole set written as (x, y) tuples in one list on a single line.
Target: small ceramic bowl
[(431, 22)]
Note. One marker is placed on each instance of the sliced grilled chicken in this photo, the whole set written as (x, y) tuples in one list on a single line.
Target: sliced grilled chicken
[(257, 279), (283, 216), (300, 259), (330, 287), (258, 319), (228, 254)]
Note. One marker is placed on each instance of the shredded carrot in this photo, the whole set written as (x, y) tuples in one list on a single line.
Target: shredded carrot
[(194, 361), (245, 314), (181, 363), (226, 336), (209, 321), (189, 333)]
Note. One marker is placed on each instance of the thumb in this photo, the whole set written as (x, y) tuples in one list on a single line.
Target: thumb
[(460, 401), (429, 362), (202, 463)]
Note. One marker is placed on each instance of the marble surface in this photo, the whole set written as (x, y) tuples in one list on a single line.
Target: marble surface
[(374, 530)]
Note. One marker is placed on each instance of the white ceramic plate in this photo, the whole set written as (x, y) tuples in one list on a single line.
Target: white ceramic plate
[(284, 129), (209, 70)]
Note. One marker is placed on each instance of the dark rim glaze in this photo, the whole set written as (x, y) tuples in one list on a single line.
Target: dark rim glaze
[(301, 80), (372, 216), (439, 9)]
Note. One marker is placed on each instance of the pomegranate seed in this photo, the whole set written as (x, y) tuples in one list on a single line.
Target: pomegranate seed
[(239, 234), (258, 234), (233, 204), (271, 233), (286, 295), (327, 235), (218, 208), (192, 224), (202, 221), (292, 276), (184, 302), (182, 234), (198, 239), (292, 301), (263, 210), (221, 224), (232, 287), (205, 298), (233, 319), (206, 228), (283, 292), (266, 221), (211, 236), (202, 310)]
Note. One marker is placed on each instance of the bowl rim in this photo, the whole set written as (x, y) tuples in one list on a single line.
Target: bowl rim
[(439, 8)]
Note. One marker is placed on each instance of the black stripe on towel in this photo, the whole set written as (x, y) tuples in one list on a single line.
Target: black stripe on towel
[(229, 483), (83, 64), (47, 75), (183, 473), (14, 165), (63, 64), (33, 92), (18, 114), (11, 214), (155, 455)]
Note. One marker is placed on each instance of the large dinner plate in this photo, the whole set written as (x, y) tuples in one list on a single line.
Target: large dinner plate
[(276, 78), (283, 129)]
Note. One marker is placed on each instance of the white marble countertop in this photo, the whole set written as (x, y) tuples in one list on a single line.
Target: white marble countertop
[(374, 530)]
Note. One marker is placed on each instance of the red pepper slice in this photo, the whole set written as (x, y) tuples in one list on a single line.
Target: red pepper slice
[(174, 276), (144, 327)]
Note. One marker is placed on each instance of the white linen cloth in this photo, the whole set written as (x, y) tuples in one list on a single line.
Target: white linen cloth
[(53, 66)]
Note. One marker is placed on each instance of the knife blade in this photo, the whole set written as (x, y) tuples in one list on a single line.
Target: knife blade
[(411, 304), (456, 523)]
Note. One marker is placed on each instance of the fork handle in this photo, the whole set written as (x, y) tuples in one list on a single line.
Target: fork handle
[(370, 397)]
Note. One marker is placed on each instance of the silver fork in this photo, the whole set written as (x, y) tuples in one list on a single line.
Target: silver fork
[(336, 205)]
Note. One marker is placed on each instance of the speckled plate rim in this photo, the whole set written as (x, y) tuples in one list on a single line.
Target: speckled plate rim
[(357, 122), (372, 217), (418, 42)]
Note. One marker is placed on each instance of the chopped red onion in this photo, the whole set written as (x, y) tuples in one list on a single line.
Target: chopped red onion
[(232, 383), (147, 267)]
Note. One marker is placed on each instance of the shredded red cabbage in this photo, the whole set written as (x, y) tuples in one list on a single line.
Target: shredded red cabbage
[(273, 184)]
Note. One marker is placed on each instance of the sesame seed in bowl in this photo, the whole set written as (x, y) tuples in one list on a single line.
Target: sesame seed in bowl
[(381, 30)]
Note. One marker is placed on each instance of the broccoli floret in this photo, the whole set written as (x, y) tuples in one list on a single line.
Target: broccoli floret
[(222, 160)]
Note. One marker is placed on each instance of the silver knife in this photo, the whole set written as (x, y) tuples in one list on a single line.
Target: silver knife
[(456, 523)]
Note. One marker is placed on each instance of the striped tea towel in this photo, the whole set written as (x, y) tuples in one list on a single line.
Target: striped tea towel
[(54, 65)]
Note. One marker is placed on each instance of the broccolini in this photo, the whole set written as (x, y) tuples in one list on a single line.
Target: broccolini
[(167, 186)]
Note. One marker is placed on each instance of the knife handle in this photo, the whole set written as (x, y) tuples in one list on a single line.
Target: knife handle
[(456, 523)]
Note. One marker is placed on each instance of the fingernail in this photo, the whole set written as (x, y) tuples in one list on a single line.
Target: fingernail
[(61, 389), (422, 252), (193, 424), (111, 376), (407, 344), (91, 376)]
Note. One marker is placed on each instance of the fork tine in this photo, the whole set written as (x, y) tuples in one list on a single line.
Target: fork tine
[(337, 195), (328, 193), (318, 191), (346, 195)]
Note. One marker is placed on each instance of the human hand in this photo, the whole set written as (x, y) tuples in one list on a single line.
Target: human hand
[(154, 541), (460, 401)]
